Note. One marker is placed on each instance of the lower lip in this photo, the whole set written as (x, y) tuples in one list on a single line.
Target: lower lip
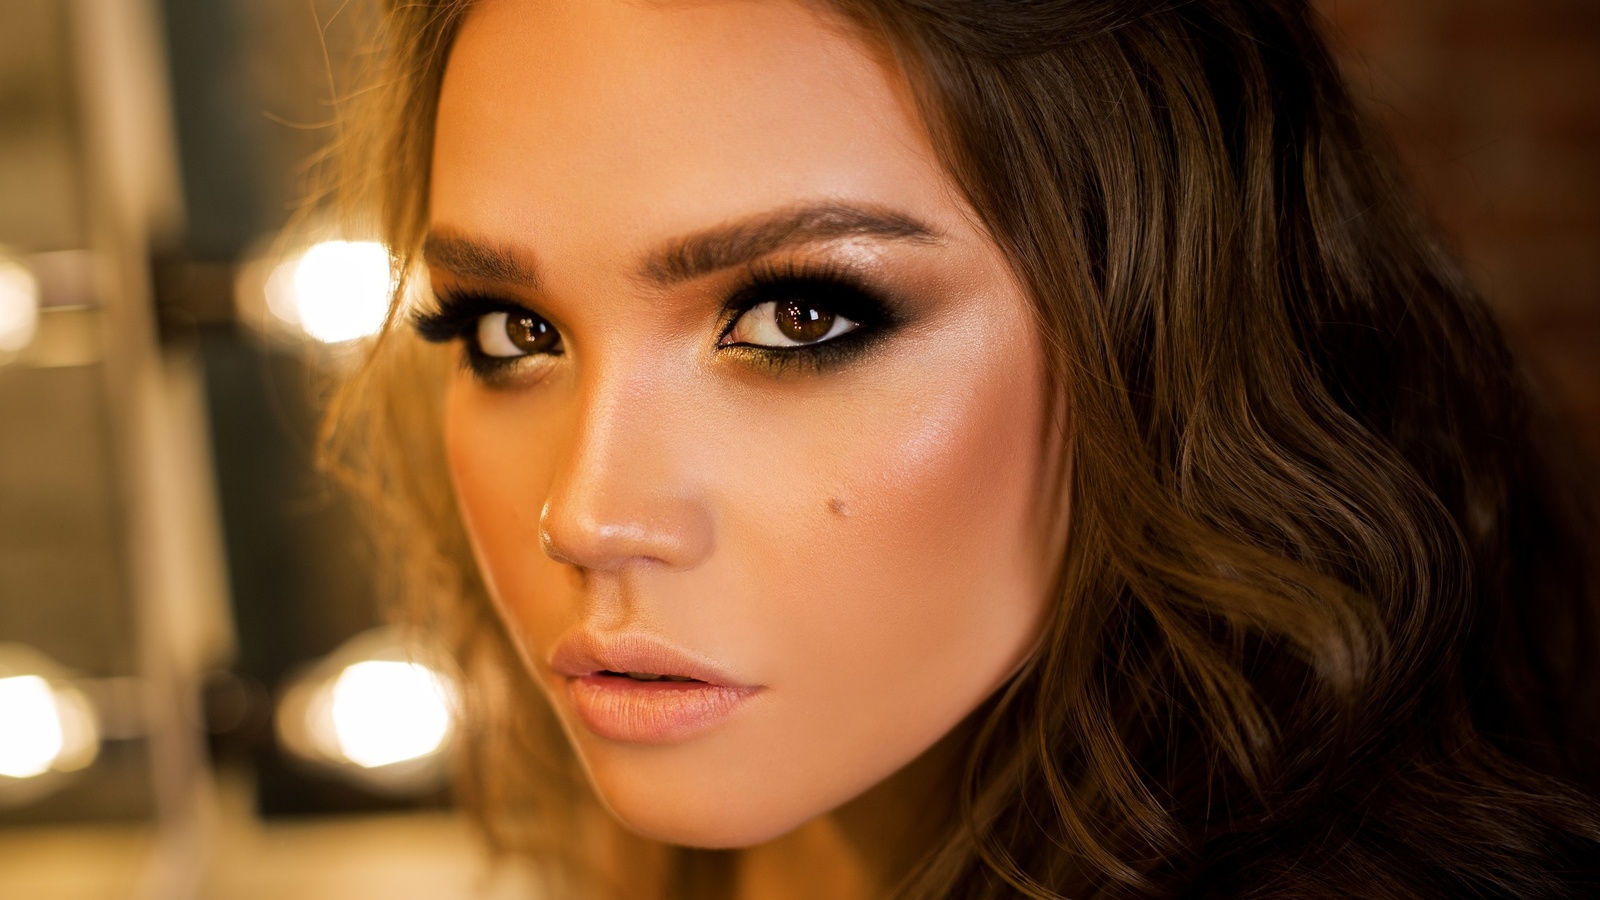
[(652, 712)]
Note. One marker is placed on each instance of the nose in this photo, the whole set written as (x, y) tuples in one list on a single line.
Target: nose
[(627, 492)]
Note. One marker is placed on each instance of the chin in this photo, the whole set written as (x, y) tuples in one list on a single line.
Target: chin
[(734, 789), (706, 830), (708, 813)]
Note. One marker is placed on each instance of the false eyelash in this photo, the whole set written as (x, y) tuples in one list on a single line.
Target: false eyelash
[(458, 315), (457, 319), (833, 287)]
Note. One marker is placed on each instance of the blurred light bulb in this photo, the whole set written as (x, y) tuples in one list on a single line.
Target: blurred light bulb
[(31, 736), (386, 712), (19, 306), (336, 291), (371, 714)]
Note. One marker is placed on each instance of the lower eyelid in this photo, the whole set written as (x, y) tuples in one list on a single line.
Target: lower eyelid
[(507, 371), (818, 357)]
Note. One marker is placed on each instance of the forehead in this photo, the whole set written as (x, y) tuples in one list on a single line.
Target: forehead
[(562, 121)]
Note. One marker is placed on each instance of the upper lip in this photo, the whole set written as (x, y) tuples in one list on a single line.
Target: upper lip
[(585, 653)]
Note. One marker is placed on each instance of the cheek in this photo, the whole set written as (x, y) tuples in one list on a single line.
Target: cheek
[(915, 528), (501, 461), (889, 540)]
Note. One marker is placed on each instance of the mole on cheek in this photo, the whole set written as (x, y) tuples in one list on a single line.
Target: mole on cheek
[(837, 507)]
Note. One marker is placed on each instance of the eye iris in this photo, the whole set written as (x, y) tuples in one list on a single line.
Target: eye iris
[(803, 322), (530, 334)]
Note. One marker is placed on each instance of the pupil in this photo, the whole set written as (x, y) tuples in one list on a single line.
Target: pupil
[(530, 334), (803, 322)]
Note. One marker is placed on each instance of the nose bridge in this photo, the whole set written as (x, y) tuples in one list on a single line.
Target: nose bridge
[(626, 491)]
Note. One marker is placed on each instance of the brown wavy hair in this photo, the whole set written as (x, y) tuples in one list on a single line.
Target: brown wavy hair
[(1326, 612)]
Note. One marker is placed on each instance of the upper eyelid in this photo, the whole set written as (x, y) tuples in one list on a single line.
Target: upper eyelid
[(469, 301), (458, 294), (759, 281), (456, 311)]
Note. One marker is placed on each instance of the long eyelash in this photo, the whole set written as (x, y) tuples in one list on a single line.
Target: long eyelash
[(834, 287), (458, 315), (457, 318)]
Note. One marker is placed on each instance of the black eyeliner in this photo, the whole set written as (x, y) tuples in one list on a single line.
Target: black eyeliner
[(458, 314), (834, 288), (457, 318), (831, 287)]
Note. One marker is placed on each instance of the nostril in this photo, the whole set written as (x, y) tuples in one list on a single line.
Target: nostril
[(549, 547), (547, 541), (571, 533), (677, 537)]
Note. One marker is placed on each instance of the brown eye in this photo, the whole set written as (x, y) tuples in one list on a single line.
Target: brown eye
[(802, 322), (507, 334), (530, 334), (788, 323)]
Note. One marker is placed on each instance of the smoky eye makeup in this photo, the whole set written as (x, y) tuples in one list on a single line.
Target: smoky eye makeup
[(793, 315), (779, 317), (499, 336)]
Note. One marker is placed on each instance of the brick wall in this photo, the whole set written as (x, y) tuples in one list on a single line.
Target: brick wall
[(1495, 108)]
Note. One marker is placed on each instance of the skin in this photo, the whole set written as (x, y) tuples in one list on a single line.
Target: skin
[(860, 542)]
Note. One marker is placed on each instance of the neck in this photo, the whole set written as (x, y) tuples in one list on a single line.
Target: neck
[(863, 849)]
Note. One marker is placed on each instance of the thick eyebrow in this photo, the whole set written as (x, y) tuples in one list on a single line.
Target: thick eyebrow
[(465, 257), (747, 240), (692, 256)]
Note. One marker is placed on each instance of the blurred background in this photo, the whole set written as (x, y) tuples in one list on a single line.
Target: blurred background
[(196, 698)]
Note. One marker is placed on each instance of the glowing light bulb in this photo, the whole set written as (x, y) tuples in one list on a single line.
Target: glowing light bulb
[(336, 291), (31, 736), (386, 712), (19, 306)]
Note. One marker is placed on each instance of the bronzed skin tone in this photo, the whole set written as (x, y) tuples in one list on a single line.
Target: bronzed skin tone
[(856, 538)]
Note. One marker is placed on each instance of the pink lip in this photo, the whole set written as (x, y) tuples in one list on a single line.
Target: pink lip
[(652, 712)]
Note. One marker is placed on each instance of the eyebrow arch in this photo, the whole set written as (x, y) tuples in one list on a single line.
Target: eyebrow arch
[(692, 256), (747, 240), (466, 257)]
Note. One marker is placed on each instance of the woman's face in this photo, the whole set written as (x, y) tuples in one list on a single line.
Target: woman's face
[(750, 399)]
